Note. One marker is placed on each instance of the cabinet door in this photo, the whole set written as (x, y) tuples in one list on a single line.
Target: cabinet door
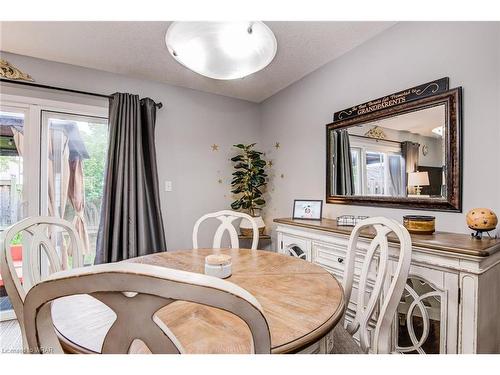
[(332, 257), (295, 246), (426, 321)]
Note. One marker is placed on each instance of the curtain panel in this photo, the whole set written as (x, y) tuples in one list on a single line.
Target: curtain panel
[(395, 180), (343, 177), (410, 154), (131, 224)]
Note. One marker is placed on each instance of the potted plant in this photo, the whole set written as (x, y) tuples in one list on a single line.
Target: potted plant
[(248, 184), (16, 248)]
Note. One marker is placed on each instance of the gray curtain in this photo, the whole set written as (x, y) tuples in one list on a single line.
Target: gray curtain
[(343, 178), (131, 223), (410, 153)]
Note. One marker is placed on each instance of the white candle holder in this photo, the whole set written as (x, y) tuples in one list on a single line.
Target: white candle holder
[(218, 265)]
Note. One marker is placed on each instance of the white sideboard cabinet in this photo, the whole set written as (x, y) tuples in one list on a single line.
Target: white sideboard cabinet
[(451, 303)]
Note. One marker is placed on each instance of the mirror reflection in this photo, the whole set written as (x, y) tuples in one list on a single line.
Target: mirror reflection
[(399, 156)]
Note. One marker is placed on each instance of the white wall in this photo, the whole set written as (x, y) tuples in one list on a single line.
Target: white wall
[(189, 123), (403, 56)]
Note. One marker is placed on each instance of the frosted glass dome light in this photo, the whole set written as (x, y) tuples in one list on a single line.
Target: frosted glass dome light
[(222, 50)]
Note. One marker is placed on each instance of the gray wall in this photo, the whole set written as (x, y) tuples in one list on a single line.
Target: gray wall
[(403, 56), (189, 123)]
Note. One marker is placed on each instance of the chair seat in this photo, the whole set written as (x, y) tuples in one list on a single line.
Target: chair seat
[(343, 343)]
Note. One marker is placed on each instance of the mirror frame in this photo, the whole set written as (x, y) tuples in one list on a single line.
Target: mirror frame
[(453, 143)]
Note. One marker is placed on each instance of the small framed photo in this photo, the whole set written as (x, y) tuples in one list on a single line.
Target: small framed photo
[(307, 209)]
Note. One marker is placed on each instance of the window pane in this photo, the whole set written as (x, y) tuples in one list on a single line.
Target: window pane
[(77, 148), (375, 173), (12, 199)]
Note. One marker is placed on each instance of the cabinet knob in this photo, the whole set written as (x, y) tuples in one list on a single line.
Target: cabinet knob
[(340, 260)]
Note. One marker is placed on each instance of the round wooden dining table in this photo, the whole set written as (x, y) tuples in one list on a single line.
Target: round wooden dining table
[(302, 303)]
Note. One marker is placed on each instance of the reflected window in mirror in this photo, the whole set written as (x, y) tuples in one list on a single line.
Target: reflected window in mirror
[(399, 156)]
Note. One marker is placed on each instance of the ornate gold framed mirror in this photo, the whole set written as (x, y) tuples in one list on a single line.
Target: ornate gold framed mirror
[(407, 154)]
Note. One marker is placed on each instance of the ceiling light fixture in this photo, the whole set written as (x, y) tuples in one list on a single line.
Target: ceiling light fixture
[(222, 50), (438, 131)]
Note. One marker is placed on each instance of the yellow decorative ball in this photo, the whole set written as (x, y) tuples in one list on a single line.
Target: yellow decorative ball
[(482, 219)]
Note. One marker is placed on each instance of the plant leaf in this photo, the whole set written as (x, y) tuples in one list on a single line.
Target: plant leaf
[(237, 158)]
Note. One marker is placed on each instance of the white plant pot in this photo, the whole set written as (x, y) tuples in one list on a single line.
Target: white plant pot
[(246, 228)]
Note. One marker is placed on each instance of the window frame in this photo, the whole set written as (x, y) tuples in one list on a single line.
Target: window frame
[(33, 102), (387, 148)]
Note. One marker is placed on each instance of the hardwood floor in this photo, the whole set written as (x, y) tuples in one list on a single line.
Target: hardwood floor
[(10, 337)]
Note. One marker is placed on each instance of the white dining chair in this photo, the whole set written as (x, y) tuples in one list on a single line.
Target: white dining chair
[(135, 292), (388, 287), (38, 237), (226, 218)]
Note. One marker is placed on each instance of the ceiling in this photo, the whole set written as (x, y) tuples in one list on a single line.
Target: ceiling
[(417, 122), (137, 49)]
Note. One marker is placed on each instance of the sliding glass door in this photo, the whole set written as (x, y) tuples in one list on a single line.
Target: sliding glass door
[(73, 169), (13, 198), (52, 163)]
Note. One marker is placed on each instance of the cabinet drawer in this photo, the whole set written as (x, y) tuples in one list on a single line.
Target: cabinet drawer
[(330, 255), (334, 256)]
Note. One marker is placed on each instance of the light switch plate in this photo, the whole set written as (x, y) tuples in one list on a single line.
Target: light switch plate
[(168, 185)]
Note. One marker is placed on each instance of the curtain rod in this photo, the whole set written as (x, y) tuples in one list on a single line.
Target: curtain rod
[(376, 139), (158, 105)]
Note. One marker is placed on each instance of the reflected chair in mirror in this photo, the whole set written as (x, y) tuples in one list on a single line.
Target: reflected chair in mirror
[(376, 305), (135, 292), (46, 242), (226, 218)]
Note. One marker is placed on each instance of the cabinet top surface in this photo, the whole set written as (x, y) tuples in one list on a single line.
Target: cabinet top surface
[(443, 241)]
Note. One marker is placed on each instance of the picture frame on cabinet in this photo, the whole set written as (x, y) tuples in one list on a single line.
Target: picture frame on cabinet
[(307, 209)]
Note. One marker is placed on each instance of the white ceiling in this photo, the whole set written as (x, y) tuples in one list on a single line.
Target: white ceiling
[(137, 49), (418, 122)]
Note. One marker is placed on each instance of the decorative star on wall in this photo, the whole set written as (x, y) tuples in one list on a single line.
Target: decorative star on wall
[(270, 163), (277, 145), (282, 175), (215, 147), (220, 181)]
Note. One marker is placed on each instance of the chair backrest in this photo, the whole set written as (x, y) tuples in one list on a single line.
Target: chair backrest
[(135, 292), (38, 237), (226, 218), (386, 292)]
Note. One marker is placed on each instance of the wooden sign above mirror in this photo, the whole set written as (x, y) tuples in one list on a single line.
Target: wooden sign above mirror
[(402, 150), (415, 93)]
